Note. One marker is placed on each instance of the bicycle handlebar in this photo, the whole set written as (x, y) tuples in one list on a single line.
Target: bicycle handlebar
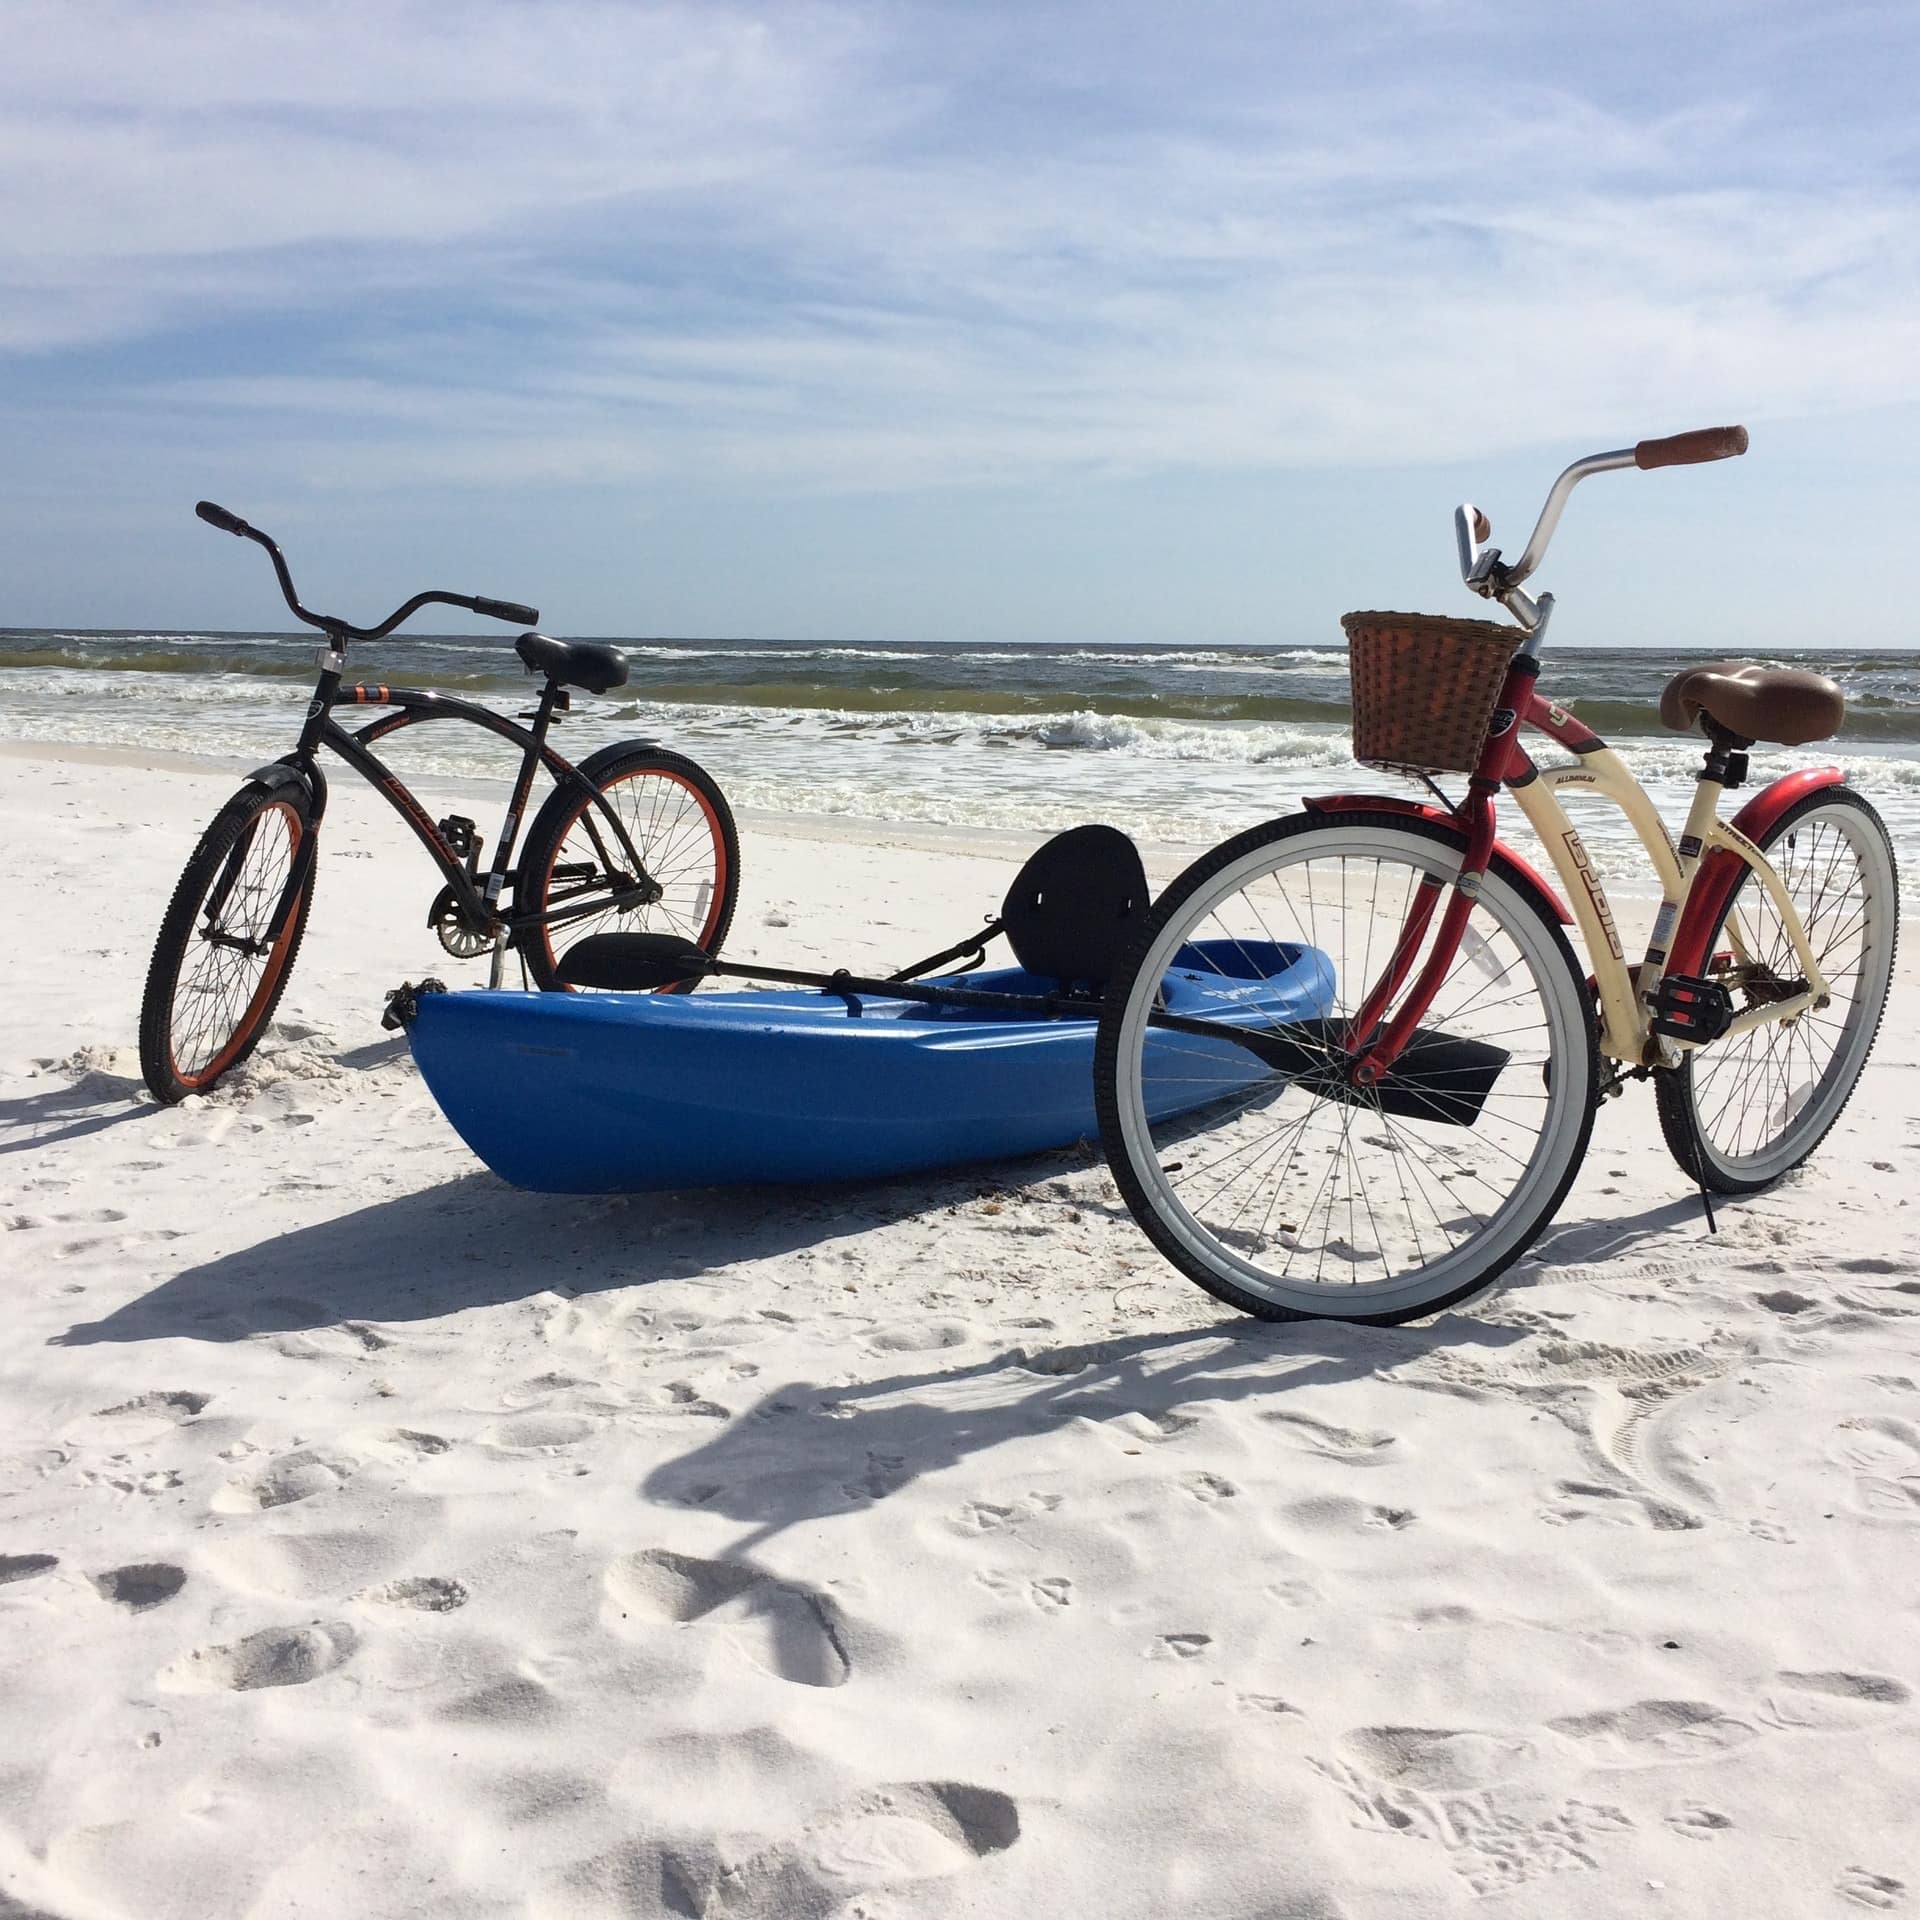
[(221, 518), (1480, 565), (508, 610), (1689, 449)]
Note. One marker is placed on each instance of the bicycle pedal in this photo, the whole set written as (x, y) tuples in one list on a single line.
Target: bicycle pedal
[(1686, 1007), (461, 835)]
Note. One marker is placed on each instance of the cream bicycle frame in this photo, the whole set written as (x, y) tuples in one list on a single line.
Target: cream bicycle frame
[(1626, 1024)]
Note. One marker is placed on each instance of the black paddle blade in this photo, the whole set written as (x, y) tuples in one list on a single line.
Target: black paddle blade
[(1441, 1077), (1438, 1076), (633, 962)]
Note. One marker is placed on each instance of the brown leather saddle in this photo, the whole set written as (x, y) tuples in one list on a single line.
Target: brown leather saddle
[(1780, 704)]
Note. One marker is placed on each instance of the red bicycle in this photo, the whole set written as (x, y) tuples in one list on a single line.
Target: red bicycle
[(1404, 1151)]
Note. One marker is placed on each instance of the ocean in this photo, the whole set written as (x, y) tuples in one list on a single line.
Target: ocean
[(1183, 744)]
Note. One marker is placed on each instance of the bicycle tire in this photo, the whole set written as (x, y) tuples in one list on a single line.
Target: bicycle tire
[(216, 1043), (1570, 1077), (685, 833), (1678, 1091)]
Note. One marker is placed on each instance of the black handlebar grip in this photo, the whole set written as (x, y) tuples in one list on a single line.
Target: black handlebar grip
[(221, 518), (507, 610)]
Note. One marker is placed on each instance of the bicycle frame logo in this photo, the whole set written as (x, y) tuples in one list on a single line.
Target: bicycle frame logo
[(1590, 882)]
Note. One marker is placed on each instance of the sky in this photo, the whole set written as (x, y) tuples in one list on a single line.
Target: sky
[(1048, 321)]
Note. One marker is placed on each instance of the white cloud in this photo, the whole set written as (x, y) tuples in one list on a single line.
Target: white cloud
[(878, 248)]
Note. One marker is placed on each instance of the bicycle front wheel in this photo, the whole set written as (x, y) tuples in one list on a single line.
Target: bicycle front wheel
[(1740, 1113), (680, 825), (227, 942), (1285, 1191)]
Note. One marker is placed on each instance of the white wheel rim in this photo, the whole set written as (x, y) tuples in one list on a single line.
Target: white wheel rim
[(1507, 1228)]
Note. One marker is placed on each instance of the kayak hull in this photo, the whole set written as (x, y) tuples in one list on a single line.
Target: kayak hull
[(644, 1092)]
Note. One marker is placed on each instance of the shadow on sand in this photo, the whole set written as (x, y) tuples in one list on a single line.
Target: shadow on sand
[(806, 1452), (90, 1104), (476, 1242)]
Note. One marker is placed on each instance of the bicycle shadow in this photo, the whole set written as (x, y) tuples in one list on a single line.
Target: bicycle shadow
[(477, 1242), (809, 1452), (1578, 1242)]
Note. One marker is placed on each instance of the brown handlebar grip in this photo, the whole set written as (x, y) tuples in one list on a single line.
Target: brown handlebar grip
[(1688, 449)]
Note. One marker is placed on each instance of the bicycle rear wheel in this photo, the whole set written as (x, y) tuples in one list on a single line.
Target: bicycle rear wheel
[(1287, 1192), (221, 962), (680, 825), (1744, 1111)]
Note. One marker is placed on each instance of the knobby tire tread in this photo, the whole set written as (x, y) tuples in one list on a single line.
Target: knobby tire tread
[(176, 932)]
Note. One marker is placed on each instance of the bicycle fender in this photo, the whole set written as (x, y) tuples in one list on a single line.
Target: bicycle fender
[(1510, 865), (1721, 871), (286, 776)]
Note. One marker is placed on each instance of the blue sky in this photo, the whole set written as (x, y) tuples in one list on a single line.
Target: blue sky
[(1050, 321)]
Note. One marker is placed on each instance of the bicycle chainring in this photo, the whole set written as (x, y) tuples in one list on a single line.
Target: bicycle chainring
[(462, 940)]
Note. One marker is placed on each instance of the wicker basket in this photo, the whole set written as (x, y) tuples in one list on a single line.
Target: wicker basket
[(1423, 688)]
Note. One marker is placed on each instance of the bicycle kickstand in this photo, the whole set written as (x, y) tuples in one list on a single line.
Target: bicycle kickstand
[(497, 967)]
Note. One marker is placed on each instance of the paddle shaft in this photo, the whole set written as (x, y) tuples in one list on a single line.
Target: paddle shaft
[(844, 983)]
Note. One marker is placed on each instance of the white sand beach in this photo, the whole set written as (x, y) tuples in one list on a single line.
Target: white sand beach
[(378, 1541)]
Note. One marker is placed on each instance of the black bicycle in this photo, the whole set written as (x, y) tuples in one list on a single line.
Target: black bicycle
[(634, 837)]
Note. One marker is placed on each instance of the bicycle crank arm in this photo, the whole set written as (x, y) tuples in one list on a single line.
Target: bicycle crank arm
[(1438, 1076)]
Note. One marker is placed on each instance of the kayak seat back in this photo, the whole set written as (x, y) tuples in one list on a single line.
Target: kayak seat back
[(1074, 905)]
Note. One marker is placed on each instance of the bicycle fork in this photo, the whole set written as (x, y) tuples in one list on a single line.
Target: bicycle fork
[(1384, 1047)]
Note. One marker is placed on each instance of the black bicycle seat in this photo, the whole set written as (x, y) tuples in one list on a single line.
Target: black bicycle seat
[(574, 663)]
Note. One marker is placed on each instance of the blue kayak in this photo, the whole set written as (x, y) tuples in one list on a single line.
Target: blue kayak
[(643, 1092)]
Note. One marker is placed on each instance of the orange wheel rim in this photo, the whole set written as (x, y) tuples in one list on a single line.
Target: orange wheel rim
[(716, 839)]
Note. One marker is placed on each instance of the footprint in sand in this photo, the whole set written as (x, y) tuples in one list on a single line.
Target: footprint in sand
[(1832, 1701), (992, 1516), (1654, 1731), (25, 1566), (138, 1588), (274, 1657), (1698, 1823), (893, 1837), (1440, 1759), (539, 1432), (923, 1336), (1271, 1704), (1360, 1446), (150, 1414), (1334, 1513), (310, 1470), (1180, 1646), (1207, 1488), (1618, 1506), (1884, 1455), (424, 1593), (1878, 1891), (1051, 1593), (786, 1629), (1156, 1427), (1449, 1794)]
